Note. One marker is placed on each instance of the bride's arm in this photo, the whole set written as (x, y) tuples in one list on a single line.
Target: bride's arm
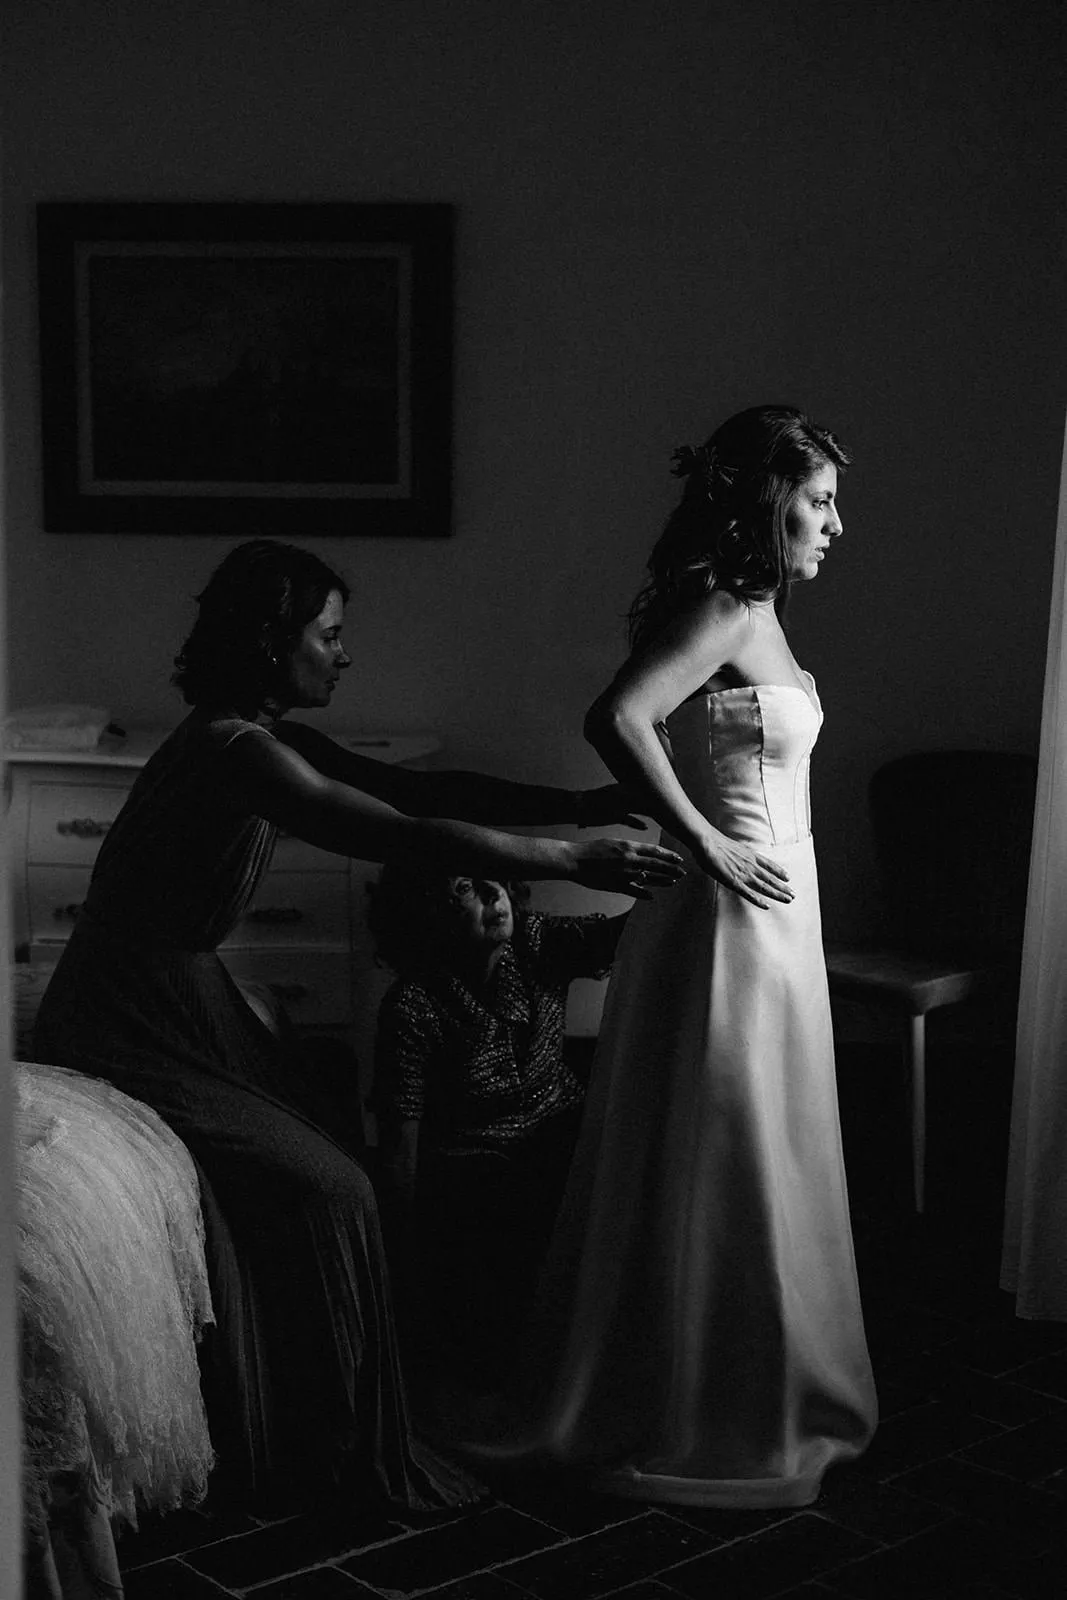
[(623, 727)]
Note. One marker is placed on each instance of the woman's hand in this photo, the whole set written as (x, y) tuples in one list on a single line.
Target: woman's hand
[(758, 879), (620, 867), (611, 803)]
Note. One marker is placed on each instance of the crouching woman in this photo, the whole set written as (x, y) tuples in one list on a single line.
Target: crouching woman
[(478, 1105)]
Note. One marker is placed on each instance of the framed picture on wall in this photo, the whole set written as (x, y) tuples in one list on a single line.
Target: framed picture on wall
[(246, 367)]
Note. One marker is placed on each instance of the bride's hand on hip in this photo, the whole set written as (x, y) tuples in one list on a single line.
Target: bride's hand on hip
[(756, 878), (621, 867)]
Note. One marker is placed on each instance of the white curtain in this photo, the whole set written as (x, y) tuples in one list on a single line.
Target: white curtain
[(1034, 1266)]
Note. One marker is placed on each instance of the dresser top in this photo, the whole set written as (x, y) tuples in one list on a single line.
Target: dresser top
[(134, 749)]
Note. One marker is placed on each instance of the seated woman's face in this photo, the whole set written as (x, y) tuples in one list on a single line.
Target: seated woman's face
[(318, 658), (479, 911)]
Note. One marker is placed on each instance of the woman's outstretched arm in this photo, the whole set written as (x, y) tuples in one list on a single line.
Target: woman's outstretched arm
[(272, 780), (467, 796), (623, 727)]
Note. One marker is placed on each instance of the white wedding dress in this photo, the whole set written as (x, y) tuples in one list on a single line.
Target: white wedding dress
[(702, 1335)]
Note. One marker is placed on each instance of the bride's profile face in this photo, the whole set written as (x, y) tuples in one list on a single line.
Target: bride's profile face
[(812, 522)]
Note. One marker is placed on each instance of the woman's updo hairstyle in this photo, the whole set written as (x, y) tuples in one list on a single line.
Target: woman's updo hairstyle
[(257, 603), (729, 529)]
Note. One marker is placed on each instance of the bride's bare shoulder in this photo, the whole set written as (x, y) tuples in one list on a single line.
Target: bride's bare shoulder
[(695, 641), (700, 639), (718, 612)]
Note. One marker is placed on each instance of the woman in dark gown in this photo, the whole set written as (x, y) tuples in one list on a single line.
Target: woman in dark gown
[(302, 1382)]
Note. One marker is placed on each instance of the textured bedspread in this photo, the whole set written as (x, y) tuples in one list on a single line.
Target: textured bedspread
[(113, 1295)]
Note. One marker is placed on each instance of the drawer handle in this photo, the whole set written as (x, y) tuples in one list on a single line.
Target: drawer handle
[(275, 914), (289, 991), (67, 913), (83, 827)]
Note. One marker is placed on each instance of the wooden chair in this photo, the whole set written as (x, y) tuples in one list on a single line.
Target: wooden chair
[(952, 836)]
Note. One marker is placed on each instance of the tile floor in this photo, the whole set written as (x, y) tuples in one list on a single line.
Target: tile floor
[(963, 1493)]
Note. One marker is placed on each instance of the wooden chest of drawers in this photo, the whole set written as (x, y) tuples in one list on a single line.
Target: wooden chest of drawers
[(304, 936)]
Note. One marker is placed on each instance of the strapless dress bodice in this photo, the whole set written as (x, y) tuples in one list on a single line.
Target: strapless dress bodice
[(742, 756)]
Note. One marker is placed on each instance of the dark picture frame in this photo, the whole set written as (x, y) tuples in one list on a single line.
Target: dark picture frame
[(246, 367)]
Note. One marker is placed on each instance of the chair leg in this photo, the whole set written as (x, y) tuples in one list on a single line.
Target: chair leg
[(917, 1068)]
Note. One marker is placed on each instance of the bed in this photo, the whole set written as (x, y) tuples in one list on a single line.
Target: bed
[(113, 1297)]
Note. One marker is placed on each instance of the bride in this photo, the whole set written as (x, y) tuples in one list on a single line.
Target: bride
[(702, 1338)]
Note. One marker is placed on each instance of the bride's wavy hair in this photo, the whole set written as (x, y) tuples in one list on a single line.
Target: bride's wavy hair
[(728, 531), (256, 604)]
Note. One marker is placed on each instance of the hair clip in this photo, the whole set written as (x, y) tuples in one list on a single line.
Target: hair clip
[(687, 460)]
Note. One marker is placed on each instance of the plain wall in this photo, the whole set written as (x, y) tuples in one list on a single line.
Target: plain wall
[(665, 212)]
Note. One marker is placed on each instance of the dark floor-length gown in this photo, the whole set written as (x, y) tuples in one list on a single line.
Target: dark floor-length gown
[(302, 1381)]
